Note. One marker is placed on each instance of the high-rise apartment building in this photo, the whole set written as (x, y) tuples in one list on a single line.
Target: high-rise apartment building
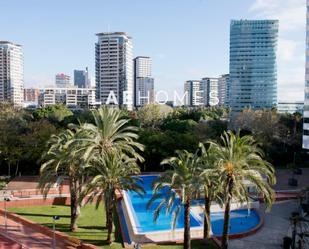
[(62, 80), (306, 102), (81, 78), (114, 69), (211, 94), (195, 93), (143, 82), (223, 89), (11, 73), (253, 68)]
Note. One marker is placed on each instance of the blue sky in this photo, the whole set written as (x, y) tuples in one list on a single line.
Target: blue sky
[(187, 39)]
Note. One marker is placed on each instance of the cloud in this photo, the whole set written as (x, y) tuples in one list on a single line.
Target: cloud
[(291, 43), (291, 13)]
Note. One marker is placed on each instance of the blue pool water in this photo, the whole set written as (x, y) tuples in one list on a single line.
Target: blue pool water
[(240, 221)]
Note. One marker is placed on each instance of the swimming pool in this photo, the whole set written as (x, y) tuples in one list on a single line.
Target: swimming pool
[(240, 220)]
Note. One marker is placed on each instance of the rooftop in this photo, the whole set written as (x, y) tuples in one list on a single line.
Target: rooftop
[(10, 43)]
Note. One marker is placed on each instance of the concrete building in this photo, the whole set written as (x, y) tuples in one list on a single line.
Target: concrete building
[(211, 94), (195, 93), (223, 89), (290, 107), (72, 97), (306, 103), (253, 68), (143, 81), (62, 80), (81, 78), (114, 69), (11, 73), (31, 95)]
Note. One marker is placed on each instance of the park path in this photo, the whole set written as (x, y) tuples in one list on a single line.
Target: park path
[(26, 236)]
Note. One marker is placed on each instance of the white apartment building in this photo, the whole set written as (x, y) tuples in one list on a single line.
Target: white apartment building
[(223, 89), (195, 93), (212, 91), (143, 82), (72, 97), (62, 80), (306, 103), (11, 73), (114, 69)]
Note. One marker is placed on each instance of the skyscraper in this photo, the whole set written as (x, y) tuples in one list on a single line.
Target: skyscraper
[(11, 73), (253, 68), (62, 80), (143, 82), (114, 69), (81, 78), (223, 89), (306, 102)]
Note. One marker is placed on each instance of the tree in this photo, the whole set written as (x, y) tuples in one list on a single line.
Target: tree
[(111, 133), (64, 159), (211, 187), (182, 179), (54, 113), (239, 159), (112, 173)]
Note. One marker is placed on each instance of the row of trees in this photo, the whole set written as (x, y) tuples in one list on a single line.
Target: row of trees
[(162, 130), (101, 158)]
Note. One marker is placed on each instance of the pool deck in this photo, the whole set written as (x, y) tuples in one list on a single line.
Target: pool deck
[(270, 236)]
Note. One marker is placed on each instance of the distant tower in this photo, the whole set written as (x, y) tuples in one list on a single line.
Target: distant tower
[(62, 80), (195, 91), (81, 78), (11, 73), (253, 68), (143, 82), (223, 89), (114, 68)]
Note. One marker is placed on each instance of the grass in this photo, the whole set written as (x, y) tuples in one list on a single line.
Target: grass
[(91, 225)]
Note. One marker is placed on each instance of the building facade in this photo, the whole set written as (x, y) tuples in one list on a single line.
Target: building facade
[(31, 95), (290, 107), (143, 81), (11, 73), (195, 93), (72, 97), (81, 78), (62, 80), (114, 69), (211, 94), (253, 68), (223, 89), (306, 102)]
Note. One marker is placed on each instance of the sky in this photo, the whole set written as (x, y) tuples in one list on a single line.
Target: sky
[(186, 39)]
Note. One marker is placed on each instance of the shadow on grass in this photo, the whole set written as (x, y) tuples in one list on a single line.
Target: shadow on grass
[(41, 215)]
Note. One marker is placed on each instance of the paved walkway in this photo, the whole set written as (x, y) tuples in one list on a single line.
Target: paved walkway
[(283, 176), (270, 236), (28, 237)]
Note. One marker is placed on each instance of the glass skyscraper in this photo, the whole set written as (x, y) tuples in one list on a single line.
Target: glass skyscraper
[(253, 68), (306, 103)]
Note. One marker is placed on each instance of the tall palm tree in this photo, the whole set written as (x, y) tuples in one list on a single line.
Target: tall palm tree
[(240, 159), (181, 180), (112, 133), (211, 188), (63, 159), (112, 172)]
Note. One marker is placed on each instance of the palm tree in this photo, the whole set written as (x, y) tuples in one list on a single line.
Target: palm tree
[(211, 188), (240, 159), (63, 159), (112, 173), (181, 180), (112, 133)]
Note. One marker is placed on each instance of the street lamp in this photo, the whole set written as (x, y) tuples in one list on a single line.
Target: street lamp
[(6, 199), (55, 217)]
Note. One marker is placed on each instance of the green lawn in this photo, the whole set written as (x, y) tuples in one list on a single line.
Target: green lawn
[(91, 225)]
